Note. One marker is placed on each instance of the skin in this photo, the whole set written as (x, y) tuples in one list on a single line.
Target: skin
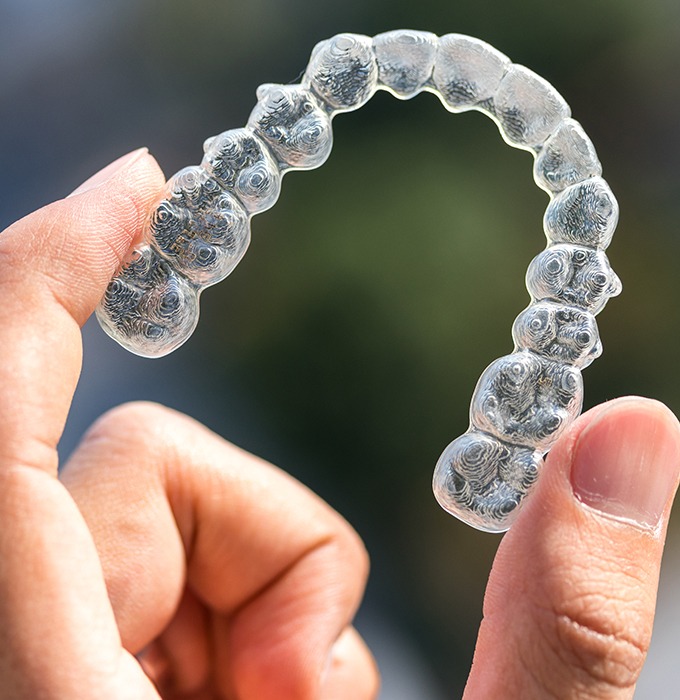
[(153, 566)]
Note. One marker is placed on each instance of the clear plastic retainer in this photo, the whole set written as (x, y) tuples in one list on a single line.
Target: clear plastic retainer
[(200, 229)]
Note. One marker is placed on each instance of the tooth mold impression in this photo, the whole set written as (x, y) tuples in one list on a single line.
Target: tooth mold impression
[(200, 230)]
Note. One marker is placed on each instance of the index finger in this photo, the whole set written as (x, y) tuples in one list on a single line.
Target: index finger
[(50, 282)]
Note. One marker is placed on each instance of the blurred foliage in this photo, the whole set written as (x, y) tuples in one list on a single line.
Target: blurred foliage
[(381, 285)]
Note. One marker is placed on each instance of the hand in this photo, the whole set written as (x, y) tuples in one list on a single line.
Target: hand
[(570, 602), (169, 563), (228, 578)]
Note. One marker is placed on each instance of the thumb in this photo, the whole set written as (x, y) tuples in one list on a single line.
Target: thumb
[(570, 603), (55, 265), (57, 628), (73, 246)]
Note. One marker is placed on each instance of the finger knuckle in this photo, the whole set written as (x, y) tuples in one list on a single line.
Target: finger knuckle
[(134, 422), (598, 640)]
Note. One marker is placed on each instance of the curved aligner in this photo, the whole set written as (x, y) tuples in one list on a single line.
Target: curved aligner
[(200, 229)]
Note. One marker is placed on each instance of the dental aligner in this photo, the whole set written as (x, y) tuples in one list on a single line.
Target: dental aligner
[(200, 230)]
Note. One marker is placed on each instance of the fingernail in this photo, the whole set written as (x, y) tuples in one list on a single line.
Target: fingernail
[(626, 461), (109, 171)]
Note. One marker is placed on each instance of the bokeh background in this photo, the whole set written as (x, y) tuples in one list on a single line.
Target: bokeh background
[(346, 345)]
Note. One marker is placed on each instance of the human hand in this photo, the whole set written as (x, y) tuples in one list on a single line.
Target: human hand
[(569, 607), (227, 577)]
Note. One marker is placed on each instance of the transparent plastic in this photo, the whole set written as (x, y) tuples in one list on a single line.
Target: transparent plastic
[(405, 61), (200, 230), (243, 165), (291, 121), (585, 213), (558, 332), (148, 307), (528, 108), (524, 399), (343, 72), (574, 275), (483, 481), (467, 72), (567, 158)]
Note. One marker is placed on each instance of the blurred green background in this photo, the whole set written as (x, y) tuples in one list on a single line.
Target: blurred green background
[(346, 345)]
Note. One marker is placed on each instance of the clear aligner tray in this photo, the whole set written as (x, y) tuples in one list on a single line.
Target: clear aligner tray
[(200, 230)]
